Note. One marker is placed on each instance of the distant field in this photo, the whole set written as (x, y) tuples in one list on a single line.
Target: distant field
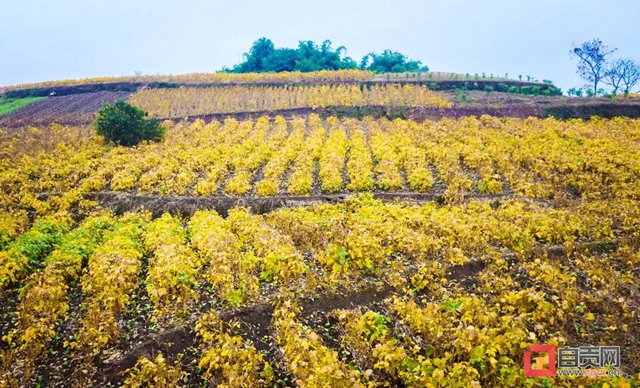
[(13, 104), (445, 76), (60, 109), (181, 102), (284, 78), (324, 76)]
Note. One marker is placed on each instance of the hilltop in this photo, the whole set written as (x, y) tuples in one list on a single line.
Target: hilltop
[(75, 101)]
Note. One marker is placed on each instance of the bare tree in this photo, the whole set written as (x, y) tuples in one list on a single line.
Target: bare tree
[(630, 74), (592, 59), (614, 74)]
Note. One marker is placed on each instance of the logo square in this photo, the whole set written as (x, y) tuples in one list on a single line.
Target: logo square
[(550, 360)]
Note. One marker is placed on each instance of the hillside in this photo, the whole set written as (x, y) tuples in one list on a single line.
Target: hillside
[(74, 102), (331, 229)]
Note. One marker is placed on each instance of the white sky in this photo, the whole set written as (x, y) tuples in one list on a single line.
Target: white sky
[(48, 39)]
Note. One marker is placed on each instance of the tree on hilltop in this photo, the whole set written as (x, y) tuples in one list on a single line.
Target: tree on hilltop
[(390, 62), (630, 76), (263, 56)]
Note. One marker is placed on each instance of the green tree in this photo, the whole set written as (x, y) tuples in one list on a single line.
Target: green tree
[(254, 59), (282, 59), (391, 62), (313, 58), (264, 57), (126, 125)]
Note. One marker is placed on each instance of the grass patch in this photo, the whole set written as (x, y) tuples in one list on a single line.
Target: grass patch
[(8, 105)]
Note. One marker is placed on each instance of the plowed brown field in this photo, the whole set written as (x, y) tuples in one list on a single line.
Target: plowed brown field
[(63, 109)]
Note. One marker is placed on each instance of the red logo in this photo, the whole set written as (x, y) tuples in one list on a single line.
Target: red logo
[(539, 369)]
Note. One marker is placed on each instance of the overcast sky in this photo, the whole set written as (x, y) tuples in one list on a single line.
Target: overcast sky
[(59, 39)]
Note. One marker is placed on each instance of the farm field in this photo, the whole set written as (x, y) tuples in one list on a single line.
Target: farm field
[(183, 102), (540, 159), (62, 109), (8, 105), (269, 242), (318, 77), (360, 293), (323, 77), (385, 98)]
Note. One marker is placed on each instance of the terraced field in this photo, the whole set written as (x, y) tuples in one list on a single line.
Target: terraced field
[(353, 294), (316, 251), (542, 159)]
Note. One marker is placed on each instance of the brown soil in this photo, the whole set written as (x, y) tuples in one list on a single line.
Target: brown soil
[(72, 109), (8, 317), (465, 275), (187, 206)]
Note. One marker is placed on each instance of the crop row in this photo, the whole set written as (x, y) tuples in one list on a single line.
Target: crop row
[(216, 78), (184, 102), (545, 159), (432, 329)]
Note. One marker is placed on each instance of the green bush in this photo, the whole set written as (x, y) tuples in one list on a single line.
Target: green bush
[(126, 125), (502, 87), (488, 89), (514, 89), (553, 91)]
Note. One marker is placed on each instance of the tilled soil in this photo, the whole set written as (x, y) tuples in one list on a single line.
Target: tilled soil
[(72, 109), (186, 206)]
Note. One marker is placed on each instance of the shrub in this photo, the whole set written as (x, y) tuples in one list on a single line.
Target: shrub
[(514, 89), (553, 91), (488, 89), (536, 90), (502, 87), (126, 125), (526, 90), (462, 93)]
